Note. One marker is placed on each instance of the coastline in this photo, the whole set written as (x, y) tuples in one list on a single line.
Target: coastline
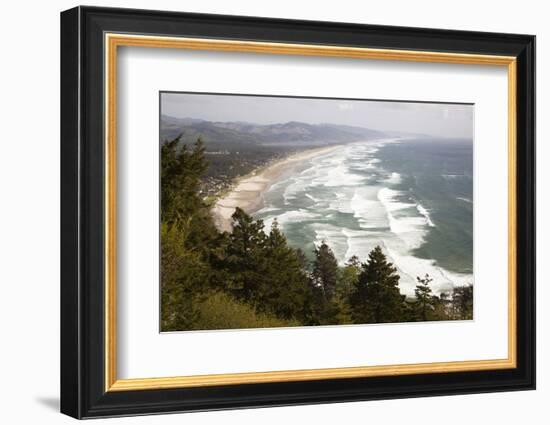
[(248, 190), (372, 206)]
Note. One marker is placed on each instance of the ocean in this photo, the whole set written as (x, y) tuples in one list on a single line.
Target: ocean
[(413, 197)]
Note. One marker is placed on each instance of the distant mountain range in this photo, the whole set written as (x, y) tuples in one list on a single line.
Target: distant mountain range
[(293, 132)]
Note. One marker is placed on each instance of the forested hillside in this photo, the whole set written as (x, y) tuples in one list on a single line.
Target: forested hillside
[(234, 149)]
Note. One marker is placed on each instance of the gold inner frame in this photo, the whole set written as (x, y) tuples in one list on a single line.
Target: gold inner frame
[(113, 41)]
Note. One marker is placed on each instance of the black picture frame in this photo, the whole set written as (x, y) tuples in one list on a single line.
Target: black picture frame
[(83, 392)]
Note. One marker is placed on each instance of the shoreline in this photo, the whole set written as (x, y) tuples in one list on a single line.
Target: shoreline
[(247, 191)]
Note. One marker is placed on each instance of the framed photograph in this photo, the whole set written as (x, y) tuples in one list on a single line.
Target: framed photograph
[(261, 212)]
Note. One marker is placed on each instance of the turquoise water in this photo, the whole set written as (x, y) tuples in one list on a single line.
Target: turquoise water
[(411, 196)]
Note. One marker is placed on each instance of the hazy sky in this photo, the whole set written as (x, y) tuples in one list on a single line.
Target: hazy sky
[(448, 120)]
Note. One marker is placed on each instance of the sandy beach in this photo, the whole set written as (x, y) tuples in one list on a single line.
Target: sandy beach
[(248, 190)]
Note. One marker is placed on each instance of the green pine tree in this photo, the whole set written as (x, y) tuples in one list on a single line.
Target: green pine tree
[(181, 172), (441, 307), (184, 279), (187, 231), (325, 274), (347, 279), (463, 302), (180, 187), (286, 285), (424, 303), (325, 270), (246, 259), (376, 297)]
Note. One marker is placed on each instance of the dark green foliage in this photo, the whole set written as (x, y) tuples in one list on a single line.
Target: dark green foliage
[(376, 297), (252, 278), (183, 277), (180, 179), (287, 287), (348, 278), (181, 173), (441, 307), (424, 304), (325, 270), (328, 308), (463, 302), (244, 256), (265, 271), (185, 231), (456, 305)]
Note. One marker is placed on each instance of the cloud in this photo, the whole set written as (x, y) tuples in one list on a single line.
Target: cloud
[(343, 106)]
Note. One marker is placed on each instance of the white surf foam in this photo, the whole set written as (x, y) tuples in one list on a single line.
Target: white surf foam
[(340, 176), (342, 203), (394, 178), (424, 212), (360, 243), (367, 209), (410, 228), (410, 267), (313, 198)]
